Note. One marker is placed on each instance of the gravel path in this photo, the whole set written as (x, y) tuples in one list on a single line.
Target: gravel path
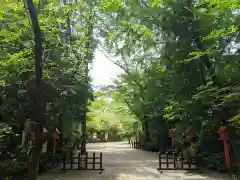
[(123, 163)]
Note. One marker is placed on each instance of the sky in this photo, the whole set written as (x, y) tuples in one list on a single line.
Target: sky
[(103, 71)]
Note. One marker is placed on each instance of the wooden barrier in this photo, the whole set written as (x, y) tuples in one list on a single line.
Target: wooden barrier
[(169, 161), (137, 145), (84, 162)]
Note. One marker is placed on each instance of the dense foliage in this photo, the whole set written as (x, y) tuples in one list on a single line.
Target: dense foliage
[(180, 60), (107, 114), (181, 64), (66, 55)]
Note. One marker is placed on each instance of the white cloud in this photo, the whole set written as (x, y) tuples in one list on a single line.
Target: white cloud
[(103, 71)]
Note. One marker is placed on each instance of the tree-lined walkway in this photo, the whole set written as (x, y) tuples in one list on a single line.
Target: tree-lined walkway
[(123, 163)]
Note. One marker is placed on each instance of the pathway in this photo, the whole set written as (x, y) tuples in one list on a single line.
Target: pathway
[(123, 163)]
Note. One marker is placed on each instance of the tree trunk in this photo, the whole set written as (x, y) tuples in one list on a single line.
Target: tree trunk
[(60, 125), (39, 102), (146, 131), (35, 157), (89, 57), (235, 144), (84, 136), (129, 139)]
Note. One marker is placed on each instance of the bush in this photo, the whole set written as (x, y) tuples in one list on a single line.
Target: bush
[(15, 167), (152, 146), (213, 160), (13, 163)]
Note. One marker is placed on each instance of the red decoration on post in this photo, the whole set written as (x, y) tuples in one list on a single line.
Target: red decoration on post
[(54, 140), (29, 129), (32, 133), (223, 136), (171, 134), (190, 135)]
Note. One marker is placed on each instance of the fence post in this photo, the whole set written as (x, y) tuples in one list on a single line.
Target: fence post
[(53, 161), (167, 160), (189, 162), (79, 161), (159, 160), (64, 162), (71, 161), (93, 167), (86, 161), (101, 156), (174, 160), (197, 161), (181, 157)]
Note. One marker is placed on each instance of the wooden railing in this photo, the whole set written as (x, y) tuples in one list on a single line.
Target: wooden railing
[(84, 162), (170, 161), (137, 145)]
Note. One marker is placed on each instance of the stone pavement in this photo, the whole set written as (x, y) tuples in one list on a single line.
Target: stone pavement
[(123, 163)]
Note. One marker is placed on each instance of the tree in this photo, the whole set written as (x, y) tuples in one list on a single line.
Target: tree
[(179, 61), (108, 114), (65, 81), (175, 51), (39, 103)]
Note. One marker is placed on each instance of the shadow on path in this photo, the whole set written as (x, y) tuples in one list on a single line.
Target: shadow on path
[(123, 163)]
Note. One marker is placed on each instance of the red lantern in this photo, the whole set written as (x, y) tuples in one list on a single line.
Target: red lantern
[(223, 136), (171, 132)]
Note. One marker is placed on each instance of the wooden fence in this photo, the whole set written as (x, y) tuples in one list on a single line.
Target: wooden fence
[(169, 161), (84, 162), (137, 145)]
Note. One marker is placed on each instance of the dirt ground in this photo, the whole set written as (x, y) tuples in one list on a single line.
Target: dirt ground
[(120, 162)]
